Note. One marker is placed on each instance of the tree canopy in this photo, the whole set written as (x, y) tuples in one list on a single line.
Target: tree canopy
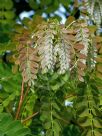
[(50, 71)]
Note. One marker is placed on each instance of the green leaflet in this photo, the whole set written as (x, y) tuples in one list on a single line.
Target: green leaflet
[(84, 121), (72, 130), (88, 132), (33, 4), (56, 127), (6, 13), (97, 122), (28, 107), (55, 87), (88, 113), (55, 130), (49, 109), (11, 85), (10, 127)]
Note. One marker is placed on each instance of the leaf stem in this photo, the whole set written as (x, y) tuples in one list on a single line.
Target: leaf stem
[(28, 118), (20, 101), (71, 24), (27, 90)]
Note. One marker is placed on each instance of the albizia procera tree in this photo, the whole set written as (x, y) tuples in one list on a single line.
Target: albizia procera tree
[(56, 65)]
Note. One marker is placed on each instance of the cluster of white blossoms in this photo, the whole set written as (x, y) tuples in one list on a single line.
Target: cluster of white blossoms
[(53, 50), (46, 51), (94, 8), (62, 51), (82, 37)]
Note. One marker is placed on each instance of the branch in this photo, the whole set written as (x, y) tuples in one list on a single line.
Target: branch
[(28, 118), (20, 101)]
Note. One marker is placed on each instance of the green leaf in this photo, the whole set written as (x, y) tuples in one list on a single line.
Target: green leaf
[(83, 111), (47, 2), (47, 125), (12, 127), (84, 122), (55, 87), (45, 116), (55, 105), (65, 2), (65, 77), (1, 108), (55, 114), (8, 4), (49, 132), (97, 132), (56, 128), (97, 122), (33, 4), (9, 15)]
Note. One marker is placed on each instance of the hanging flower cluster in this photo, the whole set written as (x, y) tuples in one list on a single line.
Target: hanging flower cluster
[(56, 48)]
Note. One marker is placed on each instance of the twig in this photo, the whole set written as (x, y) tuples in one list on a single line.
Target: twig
[(20, 101), (26, 92), (28, 118), (74, 65), (71, 24)]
